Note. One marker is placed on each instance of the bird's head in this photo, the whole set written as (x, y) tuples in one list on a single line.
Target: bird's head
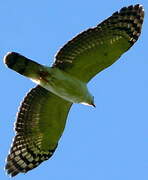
[(90, 101)]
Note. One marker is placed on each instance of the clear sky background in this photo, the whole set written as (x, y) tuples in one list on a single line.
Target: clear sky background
[(109, 142)]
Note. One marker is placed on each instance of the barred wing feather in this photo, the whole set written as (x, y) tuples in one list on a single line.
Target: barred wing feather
[(97, 48), (40, 123)]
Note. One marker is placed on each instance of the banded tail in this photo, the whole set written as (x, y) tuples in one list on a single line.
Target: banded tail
[(23, 65)]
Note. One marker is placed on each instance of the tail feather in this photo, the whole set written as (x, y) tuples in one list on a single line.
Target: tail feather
[(22, 65)]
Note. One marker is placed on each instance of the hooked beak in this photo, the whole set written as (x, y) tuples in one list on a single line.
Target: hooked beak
[(92, 104)]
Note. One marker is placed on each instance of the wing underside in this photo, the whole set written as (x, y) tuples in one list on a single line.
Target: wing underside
[(97, 48), (40, 123)]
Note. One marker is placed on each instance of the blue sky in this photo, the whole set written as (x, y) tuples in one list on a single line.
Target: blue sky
[(109, 142)]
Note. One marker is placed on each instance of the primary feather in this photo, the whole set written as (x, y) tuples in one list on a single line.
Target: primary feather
[(42, 115), (97, 48), (40, 123)]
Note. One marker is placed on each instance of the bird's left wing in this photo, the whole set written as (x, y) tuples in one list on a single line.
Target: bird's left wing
[(40, 123), (97, 48)]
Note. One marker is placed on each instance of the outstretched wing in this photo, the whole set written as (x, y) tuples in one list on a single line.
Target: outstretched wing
[(40, 123), (97, 48)]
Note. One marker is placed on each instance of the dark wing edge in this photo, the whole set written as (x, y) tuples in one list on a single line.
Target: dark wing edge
[(35, 123), (126, 23)]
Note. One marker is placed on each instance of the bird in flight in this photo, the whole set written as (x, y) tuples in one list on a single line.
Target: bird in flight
[(42, 115)]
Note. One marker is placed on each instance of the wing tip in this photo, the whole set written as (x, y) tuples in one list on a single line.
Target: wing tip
[(10, 168), (22, 158), (134, 8), (130, 19)]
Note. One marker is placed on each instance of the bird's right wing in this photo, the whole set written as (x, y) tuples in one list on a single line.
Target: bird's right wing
[(40, 123), (97, 48)]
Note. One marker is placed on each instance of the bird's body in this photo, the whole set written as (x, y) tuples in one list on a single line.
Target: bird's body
[(53, 79), (66, 86), (43, 112)]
